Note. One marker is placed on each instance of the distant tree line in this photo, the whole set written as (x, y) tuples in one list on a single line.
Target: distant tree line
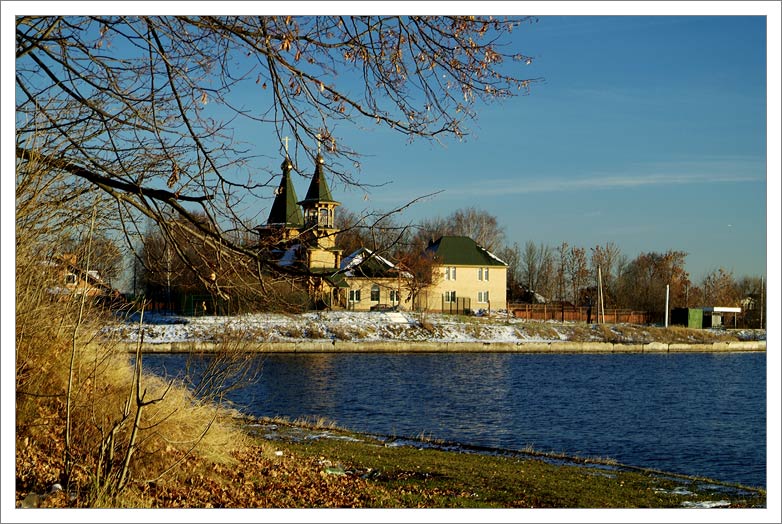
[(561, 273)]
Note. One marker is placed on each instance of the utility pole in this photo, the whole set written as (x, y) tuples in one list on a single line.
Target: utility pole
[(667, 293), (761, 301)]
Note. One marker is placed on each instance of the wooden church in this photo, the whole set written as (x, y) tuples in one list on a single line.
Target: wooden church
[(301, 235)]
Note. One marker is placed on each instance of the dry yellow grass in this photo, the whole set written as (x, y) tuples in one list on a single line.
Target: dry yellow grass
[(57, 343)]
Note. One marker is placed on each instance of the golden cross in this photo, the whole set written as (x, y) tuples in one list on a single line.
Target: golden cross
[(286, 143), (318, 136)]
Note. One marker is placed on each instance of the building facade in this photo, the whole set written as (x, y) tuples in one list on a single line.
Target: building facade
[(467, 277)]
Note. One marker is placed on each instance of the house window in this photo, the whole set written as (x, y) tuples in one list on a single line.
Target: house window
[(393, 296), (450, 273), (375, 293), (483, 297), (450, 296), (70, 278), (483, 273), (355, 295)]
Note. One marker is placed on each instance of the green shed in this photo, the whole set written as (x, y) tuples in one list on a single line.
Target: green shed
[(687, 317)]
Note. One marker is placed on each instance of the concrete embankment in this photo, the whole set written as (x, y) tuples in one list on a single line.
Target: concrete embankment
[(401, 346)]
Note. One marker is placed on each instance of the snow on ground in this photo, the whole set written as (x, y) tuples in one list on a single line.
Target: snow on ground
[(341, 325), (369, 327)]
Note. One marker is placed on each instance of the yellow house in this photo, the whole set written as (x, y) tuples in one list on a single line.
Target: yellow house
[(373, 281), (467, 277)]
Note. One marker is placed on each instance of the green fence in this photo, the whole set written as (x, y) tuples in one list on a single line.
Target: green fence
[(459, 306)]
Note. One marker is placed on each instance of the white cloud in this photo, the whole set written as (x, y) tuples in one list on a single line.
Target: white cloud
[(555, 184)]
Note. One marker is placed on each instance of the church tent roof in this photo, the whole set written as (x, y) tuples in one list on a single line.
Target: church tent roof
[(319, 189), (285, 209)]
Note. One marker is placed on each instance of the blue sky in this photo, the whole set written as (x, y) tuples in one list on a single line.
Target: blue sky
[(646, 131), (649, 132)]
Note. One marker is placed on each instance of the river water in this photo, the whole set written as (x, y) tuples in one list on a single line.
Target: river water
[(692, 413)]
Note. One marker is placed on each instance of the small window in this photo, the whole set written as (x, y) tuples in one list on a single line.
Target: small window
[(375, 293), (486, 274), (483, 297), (393, 296), (450, 296), (355, 295)]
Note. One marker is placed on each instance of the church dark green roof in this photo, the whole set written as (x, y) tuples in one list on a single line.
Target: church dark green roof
[(319, 189), (285, 209)]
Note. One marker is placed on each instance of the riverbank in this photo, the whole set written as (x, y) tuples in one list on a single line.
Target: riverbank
[(296, 464), (420, 472), (340, 346), (346, 331)]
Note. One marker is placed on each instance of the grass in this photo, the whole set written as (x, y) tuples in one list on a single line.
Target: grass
[(424, 477)]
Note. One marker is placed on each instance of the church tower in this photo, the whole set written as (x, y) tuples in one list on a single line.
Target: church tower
[(318, 232), (285, 214)]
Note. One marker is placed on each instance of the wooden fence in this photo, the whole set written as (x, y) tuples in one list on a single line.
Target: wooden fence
[(580, 314)]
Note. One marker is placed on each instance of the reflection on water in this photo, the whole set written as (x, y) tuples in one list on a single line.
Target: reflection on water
[(699, 414)]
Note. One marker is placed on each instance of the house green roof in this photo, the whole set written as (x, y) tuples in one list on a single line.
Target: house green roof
[(285, 209), (319, 189), (363, 263), (462, 251), (337, 280)]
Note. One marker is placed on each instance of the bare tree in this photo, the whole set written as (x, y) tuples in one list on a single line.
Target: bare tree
[(537, 268), (720, 289), (608, 259), (642, 284), (512, 256), (576, 272), (561, 270), (143, 109), (479, 225), (421, 273), (377, 231)]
